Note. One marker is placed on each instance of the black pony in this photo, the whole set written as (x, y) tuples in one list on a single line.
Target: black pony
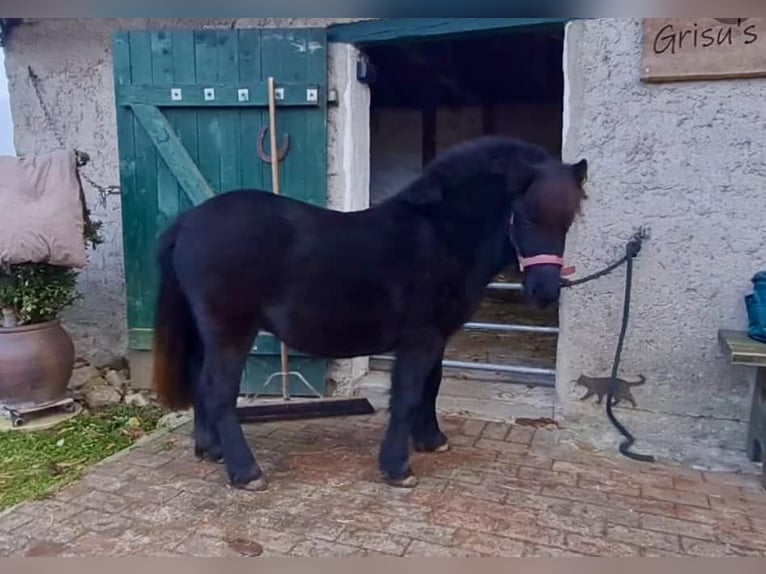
[(401, 277)]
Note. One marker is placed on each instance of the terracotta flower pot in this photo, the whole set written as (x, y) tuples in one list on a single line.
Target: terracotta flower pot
[(36, 363)]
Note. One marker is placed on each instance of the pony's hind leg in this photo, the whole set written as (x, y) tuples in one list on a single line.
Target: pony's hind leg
[(426, 434), (413, 365), (221, 375), (207, 445)]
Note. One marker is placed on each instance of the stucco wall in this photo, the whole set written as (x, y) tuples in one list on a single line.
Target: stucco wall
[(686, 160), (72, 59)]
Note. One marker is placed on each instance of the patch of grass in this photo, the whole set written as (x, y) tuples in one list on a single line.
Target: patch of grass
[(32, 463)]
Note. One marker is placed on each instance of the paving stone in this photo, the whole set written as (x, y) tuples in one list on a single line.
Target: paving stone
[(581, 494), (473, 427), (748, 481), (609, 487), (106, 501), (694, 547), (585, 525), (12, 521), (103, 522), (38, 549), (483, 491), (609, 515), (421, 531), (501, 446), (716, 518), (48, 510), (644, 505), (643, 538), (204, 547), (495, 431), (533, 459), (482, 543), (600, 547), (743, 538), (710, 488), (377, 541), (421, 549), (671, 495), (550, 552), (321, 548), (60, 532), (547, 477), (13, 543), (674, 526), (521, 435), (514, 484), (462, 440)]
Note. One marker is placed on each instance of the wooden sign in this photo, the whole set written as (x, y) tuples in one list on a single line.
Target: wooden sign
[(703, 48)]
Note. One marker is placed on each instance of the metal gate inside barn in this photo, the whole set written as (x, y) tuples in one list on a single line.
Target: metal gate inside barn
[(190, 108)]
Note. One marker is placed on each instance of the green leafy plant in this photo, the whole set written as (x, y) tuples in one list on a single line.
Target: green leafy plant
[(37, 292)]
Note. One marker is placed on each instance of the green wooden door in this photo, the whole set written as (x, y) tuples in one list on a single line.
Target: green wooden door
[(190, 106)]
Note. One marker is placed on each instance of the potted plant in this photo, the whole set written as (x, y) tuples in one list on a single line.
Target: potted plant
[(36, 354)]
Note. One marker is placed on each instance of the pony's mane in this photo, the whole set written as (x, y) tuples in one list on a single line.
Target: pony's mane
[(483, 155), (516, 161)]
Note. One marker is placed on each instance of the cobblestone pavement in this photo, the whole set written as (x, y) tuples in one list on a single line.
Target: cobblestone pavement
[(500, 491)]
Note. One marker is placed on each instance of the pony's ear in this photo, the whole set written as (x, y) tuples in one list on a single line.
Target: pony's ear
[(580, 170)]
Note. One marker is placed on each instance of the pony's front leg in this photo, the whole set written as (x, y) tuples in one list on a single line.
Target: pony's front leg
[(222, 372), (413, 365), (426, 434)]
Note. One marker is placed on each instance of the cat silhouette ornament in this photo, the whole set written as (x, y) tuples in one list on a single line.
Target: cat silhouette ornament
[(598, 386)]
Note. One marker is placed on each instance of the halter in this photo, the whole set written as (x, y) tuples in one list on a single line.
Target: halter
[(542, 259)]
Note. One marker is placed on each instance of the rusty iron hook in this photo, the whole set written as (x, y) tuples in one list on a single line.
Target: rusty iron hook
[(281, 153)]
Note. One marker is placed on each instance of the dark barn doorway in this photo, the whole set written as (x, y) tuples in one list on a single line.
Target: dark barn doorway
[(429, 95)]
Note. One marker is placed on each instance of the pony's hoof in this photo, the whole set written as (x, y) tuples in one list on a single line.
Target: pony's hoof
[(409, 481), (257, 485), (205, 456), (444, 447)]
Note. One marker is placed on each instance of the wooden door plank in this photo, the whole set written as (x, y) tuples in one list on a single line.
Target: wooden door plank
[(315, 162), (131, 204), (145, 218), (228, 118), (162, 73), (164, 139), (284, 58), (208, 128), (251, 119), (186, 119)]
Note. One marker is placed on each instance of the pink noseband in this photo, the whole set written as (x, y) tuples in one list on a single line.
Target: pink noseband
[(546, 260), (541, 259)]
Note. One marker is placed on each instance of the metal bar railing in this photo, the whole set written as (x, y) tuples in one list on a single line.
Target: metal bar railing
[(492, 367), (505, 286), (510, 328)]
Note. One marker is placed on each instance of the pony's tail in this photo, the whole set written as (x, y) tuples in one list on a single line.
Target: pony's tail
[(174, 331)]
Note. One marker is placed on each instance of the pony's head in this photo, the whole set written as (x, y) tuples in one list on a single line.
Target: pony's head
[(514, 199), (541, 217)]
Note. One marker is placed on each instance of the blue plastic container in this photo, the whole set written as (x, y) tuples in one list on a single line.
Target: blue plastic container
[(756, 308)]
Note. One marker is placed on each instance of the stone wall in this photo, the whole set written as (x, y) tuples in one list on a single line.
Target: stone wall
[(686, 160)]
